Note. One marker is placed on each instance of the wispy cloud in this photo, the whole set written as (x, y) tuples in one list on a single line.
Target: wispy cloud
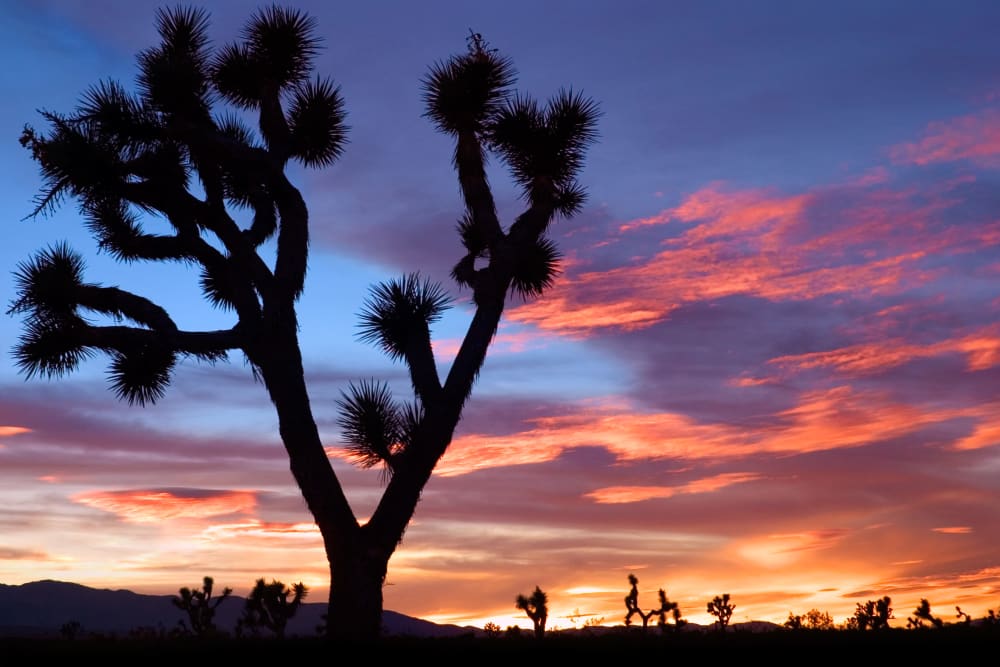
[(635, 494), (974, 137), (154, 505)]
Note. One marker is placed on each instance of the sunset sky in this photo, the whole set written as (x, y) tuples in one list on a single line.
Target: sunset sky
[(770, 366)]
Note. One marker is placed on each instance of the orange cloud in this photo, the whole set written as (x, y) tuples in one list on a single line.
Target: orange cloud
[(6, 431), (953, 530), (823, 420), (981, 348), (261, 530), (986, 432), (634, 494), (974, 137), (783, 550), (9, 553), (149, 506), (639, 296)]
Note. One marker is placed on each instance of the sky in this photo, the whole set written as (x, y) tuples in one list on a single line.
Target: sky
[(769, 366)]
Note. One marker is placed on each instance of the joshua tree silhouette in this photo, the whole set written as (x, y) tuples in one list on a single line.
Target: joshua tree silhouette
[(268, 607), (666, 606), (873, 614), (537, 609), (721, 608), (200, 606), (172, 153), (922, 616)]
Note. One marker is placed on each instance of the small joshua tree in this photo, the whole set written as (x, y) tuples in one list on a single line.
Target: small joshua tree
[(200, 607), (537, 609), (722, 609), (873, 614), (922, 616), (666, 606), (268, 606)]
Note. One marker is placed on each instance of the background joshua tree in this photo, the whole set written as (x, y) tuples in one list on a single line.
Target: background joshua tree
[(873, 614), (537, 609), (922, 617), (666, 606), (157, 175), (200, 607), (722, 609), (268, 607)]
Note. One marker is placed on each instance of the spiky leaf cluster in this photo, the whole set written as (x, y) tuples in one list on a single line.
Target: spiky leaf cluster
[(275, 53), (464, 93), (174, 77), (316, 122), (400, 311), (545, 146), (536, 266), (140, 375), (46, 285), (376, 430)]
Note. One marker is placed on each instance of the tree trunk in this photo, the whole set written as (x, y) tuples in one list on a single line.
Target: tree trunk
[(357, 571), (357, 575)]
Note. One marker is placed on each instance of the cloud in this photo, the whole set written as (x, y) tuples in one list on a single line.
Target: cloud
[(760, 244), (6, 431), (9, 553), (823, 419), (261, 531), (954, 530), (634, 494), (981, 349), (155, 505), (974, 137)]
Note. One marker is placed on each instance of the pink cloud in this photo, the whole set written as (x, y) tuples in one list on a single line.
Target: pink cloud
[(975, 137), (835, 418), (981, 349), (150, 506), (634, 494)]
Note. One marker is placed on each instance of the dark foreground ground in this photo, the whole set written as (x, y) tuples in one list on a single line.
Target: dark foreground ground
[(781, 647)]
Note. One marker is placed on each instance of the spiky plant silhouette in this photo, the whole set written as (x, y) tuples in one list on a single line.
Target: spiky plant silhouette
[(536, 606), (923, 618), (268, 607), (158, 174), (200, 606), (666, 607), (873, 614), (722, 609)]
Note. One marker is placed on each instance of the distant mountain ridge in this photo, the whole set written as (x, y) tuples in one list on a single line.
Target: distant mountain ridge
[(41, 608)]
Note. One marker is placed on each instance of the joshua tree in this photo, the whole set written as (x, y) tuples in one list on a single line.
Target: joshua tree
[(794, 622), (964, 618), (721, 608), (873, 614), (200, 607), (666, 606), (171, 152), (922, 616), (537, 609), (268, 606)]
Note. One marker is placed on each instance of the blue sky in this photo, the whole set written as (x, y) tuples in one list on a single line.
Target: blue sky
[(768, 368)]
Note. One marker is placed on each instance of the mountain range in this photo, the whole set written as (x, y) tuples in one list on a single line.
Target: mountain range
[(42, 608)]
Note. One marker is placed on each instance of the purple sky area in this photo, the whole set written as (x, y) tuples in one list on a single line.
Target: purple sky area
[(769, 368)]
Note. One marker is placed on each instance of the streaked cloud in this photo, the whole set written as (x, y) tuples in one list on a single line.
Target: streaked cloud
[(974, 137), (635, 494), (154, 505), (9, 553), (981, 350)]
